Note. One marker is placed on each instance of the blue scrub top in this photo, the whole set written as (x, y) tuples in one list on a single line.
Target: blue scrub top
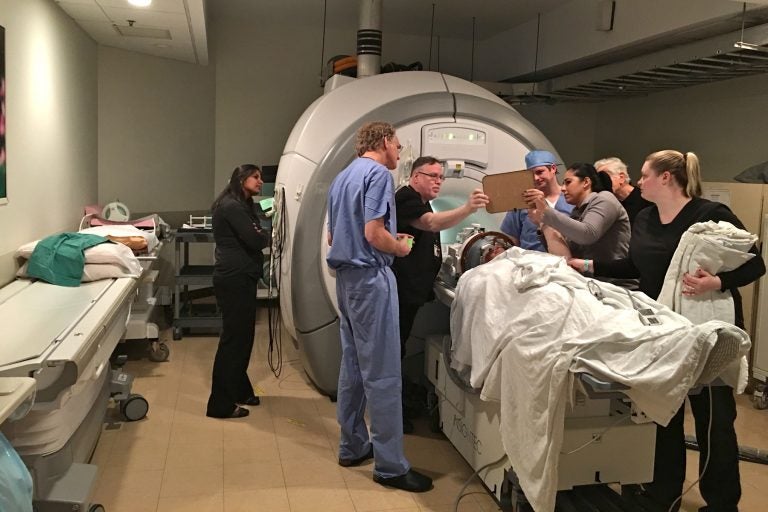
[(362, 192), (517, 224)]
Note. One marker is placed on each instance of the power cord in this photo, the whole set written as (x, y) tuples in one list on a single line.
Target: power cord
[(472, 477), (274, 318), (599, 435), (709, 453)]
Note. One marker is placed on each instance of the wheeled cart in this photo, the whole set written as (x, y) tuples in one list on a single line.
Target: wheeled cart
[(187, 315)]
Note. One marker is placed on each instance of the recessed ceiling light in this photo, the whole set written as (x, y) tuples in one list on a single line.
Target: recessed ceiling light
[(140, 3)]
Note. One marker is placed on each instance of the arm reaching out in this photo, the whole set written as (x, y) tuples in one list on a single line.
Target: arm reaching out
[(437, 221)]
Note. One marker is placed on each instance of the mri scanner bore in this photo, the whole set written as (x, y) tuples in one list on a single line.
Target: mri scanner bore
[(434, 114)]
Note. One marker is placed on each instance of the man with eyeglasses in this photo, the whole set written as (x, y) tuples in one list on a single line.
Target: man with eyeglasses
[(362, 245), (516, 223), (416, 272)]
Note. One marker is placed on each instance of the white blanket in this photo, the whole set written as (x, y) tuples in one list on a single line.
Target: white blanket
[(714, 247), (524, 323)]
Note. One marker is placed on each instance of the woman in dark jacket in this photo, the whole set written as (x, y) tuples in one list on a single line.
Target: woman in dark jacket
[(239, 263)]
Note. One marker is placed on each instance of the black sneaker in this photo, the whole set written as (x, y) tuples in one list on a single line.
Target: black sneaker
[(412, 481)]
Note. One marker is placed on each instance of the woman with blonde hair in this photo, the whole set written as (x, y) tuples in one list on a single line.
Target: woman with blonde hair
[(671, 180)]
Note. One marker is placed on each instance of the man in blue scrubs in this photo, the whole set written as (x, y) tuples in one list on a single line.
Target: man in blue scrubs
[(363, 243), (516, 223)]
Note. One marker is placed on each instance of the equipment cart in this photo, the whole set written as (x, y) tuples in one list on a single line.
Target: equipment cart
[(185, 313)]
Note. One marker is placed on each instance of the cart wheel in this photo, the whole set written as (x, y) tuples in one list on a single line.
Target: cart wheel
[(134, 408), (159, 352), (97, 508), (759, 398), (177, 333)]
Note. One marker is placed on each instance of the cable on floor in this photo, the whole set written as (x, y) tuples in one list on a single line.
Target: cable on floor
[(274, 318)]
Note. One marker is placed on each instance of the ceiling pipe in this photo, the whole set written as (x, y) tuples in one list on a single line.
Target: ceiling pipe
[(369, 39)]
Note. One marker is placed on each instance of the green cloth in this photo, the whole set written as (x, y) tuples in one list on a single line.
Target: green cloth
[(59, 259)]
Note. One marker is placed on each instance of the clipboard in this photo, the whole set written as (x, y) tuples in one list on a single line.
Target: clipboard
[(505, 190)]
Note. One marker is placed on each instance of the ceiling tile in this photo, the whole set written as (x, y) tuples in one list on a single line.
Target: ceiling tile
[(86, 11), (156, 6)]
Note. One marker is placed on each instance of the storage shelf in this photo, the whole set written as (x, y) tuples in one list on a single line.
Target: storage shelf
[(187, 315)]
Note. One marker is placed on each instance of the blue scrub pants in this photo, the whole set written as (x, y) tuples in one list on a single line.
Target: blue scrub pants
[(370, 369)]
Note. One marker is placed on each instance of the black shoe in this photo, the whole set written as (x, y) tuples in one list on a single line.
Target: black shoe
[(239, 412), (407, 426), (412, 481), (348, 463), (253, 401)]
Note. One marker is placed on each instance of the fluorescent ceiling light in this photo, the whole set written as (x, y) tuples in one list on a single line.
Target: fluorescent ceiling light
[(140, 3), (749, 46)]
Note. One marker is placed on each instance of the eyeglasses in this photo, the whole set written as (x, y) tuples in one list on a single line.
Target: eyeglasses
[(433, 176)]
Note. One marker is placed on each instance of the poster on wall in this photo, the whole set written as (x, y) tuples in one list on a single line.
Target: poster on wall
[(3, 188)]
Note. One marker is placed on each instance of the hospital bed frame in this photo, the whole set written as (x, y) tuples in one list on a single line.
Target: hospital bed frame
[(140, 325), (472, 426), (602, 423), (64, 338)]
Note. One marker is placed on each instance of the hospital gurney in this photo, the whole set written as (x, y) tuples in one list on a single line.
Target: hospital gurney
[(63, 337), (153, 232), (523, 328), (601, 424)]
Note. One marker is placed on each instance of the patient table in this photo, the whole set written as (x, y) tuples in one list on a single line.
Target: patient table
[(472, 426), (561, 427), (140, 325), (63, 337)]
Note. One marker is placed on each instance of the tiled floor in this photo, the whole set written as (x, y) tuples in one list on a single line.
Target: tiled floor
[(282, 457)]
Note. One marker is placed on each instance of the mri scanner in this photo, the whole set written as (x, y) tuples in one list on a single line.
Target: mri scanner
[(434, 114)]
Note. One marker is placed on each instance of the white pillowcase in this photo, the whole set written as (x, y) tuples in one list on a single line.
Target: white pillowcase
[(91, 272), (105, 254)]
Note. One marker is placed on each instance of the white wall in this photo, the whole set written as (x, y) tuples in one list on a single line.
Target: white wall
[(51, 124), (570, 127), (156, 132), (568, 33), (268, 73), (724, 123)]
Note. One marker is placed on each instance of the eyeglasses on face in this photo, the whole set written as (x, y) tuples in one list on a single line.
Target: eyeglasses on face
[(433, 176)]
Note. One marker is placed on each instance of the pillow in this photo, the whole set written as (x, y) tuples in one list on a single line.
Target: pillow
[(117, 231), (107, 253), (92, 272)]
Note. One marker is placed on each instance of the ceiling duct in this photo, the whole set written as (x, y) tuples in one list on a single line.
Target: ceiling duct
[(714, 59), (132, 30)]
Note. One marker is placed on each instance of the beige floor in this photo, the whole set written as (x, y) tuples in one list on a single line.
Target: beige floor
[(282, 457)]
